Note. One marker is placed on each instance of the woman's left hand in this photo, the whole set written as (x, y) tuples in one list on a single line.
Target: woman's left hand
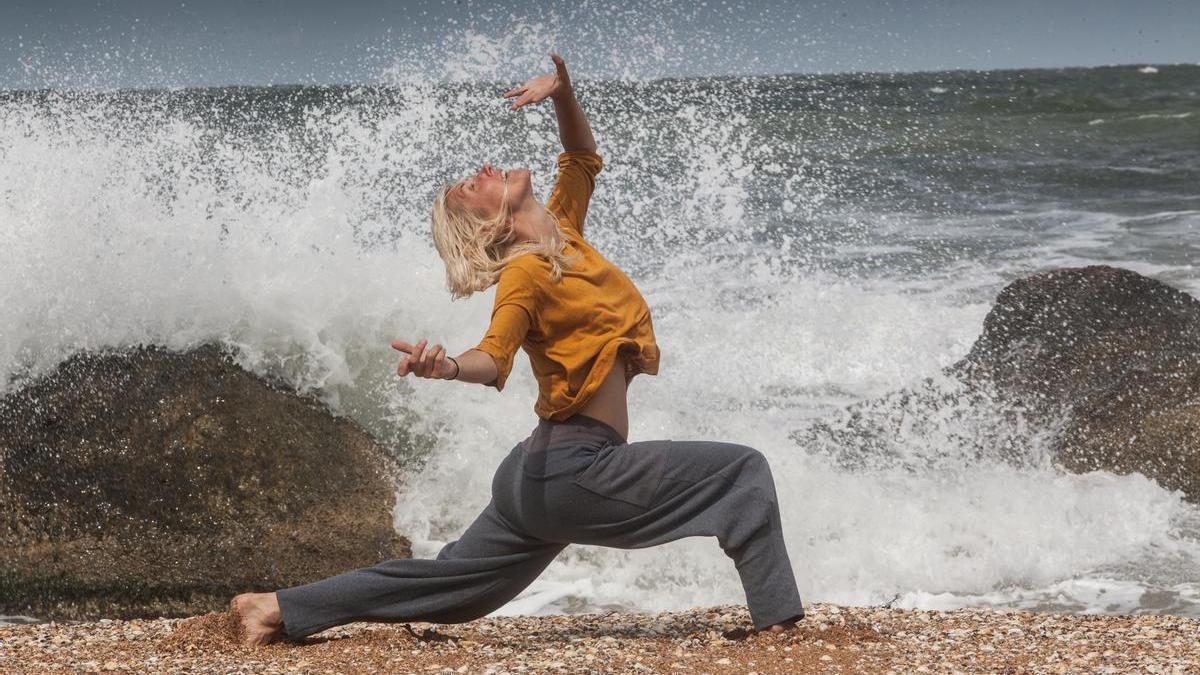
[(542, 86)]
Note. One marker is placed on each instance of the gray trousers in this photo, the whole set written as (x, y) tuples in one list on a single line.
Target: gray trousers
[(574, 481)]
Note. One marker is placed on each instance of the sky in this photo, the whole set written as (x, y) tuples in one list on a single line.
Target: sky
[(150, 43)]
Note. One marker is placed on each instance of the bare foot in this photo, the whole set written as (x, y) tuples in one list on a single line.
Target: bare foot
[(781, 627), (259, 620), (743, 633)]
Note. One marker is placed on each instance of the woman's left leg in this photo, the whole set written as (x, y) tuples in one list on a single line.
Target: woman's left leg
[(490, 564), (647, 493)]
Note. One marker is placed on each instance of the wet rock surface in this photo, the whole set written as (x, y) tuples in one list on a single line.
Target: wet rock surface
[(1114, 355), (830, 639), (148, 482)]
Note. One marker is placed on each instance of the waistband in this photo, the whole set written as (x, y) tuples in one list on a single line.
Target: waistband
[(573, 431)]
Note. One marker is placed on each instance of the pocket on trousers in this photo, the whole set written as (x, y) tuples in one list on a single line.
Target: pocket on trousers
[(630, 472)]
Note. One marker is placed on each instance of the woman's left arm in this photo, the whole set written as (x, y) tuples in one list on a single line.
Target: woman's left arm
[(573, 129)]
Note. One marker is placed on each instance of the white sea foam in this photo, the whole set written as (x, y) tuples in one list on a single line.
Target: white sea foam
[(1084, 595), (1149, 170), (1145, 116), (8, 619), (1164, 116)]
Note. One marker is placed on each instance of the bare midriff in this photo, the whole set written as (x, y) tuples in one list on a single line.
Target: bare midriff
[(608, 404)]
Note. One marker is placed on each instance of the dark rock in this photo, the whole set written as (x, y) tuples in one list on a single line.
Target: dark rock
[(1084, 368), (1114, 354), (147, 482)]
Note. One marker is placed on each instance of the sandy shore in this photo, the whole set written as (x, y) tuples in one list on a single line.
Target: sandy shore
[(703, 640)]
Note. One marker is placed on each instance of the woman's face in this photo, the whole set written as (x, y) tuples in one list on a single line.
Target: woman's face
[(483, 192)]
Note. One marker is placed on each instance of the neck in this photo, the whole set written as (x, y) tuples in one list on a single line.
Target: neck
[(531, 222)]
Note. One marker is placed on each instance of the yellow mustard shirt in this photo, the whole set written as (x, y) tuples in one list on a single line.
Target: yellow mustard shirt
[(572, 330)]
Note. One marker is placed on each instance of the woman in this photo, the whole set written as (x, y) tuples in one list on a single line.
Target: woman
[(575, 479)]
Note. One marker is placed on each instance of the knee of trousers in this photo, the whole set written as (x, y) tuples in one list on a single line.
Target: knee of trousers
[(756, 502), (759, 474), (751, 456), (754, 471)]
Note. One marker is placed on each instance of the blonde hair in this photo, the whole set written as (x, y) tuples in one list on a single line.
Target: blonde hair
[(473, 259)]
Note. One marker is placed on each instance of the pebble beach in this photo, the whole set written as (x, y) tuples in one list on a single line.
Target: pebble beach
[(716, 639)]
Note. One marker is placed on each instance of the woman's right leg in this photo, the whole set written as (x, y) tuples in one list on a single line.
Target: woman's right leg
[(491, 563)]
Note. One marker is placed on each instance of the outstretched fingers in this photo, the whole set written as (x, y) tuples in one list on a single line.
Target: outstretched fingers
[(525, 98), (413, 356), (421, 359)]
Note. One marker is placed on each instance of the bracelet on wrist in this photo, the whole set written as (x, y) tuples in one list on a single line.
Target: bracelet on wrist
[(457, 368)]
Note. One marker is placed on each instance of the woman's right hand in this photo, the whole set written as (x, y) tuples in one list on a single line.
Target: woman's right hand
[(430, 363)]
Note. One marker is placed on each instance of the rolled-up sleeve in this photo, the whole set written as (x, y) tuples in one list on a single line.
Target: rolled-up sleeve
[(573, 188), (513, 314)]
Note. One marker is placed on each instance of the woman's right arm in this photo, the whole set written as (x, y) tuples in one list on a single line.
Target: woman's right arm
[(474, 366), (490, 361), (506, 333)]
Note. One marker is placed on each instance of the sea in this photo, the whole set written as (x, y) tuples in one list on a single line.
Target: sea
[(806, 243)]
